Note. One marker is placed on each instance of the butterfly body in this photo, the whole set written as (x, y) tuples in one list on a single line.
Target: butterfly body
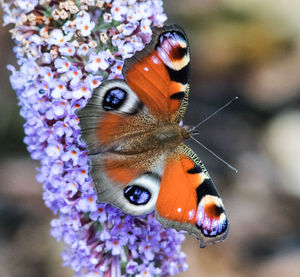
[(161, 138), (139, 161)]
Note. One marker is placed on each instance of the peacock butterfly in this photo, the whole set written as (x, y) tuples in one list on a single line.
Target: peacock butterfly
[(139, 162)]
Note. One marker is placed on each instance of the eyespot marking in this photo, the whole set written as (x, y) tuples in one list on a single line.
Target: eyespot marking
[(173, 50), (210, 217), (113, 99), (137, 195), (178, 53)]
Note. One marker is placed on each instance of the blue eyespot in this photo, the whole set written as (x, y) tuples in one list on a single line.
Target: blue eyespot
[(113, 99), (137, 195)]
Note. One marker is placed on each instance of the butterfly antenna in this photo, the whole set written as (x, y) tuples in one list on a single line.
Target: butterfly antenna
[(215, 155), (214, 113)]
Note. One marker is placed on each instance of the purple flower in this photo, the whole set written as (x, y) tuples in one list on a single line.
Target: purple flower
[(131, 267), (129, 28), (62, 65), (82, 90), (84, 23), (118, 10), (74, 75), (83, 49), (63, 60), (67, 49), (58, 88), (97, 61), (57, 37)]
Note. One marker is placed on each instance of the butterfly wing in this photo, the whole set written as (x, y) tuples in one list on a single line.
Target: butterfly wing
[(126, 181), (159, 73), (110, 116), (188, 199)]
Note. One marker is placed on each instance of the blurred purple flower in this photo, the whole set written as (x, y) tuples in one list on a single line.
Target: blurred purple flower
[(65, 49)]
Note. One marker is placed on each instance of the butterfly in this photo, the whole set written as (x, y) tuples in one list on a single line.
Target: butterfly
[(135, 141)]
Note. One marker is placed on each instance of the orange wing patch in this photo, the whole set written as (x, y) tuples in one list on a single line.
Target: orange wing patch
[(177, 199), (106, 131), (159, 73), (120, 172), (150, 80)]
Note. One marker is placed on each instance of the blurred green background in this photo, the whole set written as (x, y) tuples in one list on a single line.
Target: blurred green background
[(245, 48)]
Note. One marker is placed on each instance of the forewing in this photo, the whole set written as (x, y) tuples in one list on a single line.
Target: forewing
[(159, 73), (113, 114)]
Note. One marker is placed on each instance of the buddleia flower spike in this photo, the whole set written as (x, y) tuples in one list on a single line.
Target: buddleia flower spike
[(65, 50)]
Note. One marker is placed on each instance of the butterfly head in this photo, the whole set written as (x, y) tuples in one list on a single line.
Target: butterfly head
[(186, 132)]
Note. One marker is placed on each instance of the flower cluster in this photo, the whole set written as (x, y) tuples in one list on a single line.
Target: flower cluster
[(65, 49)]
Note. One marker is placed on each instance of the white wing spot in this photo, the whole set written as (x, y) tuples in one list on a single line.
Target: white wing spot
[(179, 210), (155, 60), (146, 68), (191, 214)]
